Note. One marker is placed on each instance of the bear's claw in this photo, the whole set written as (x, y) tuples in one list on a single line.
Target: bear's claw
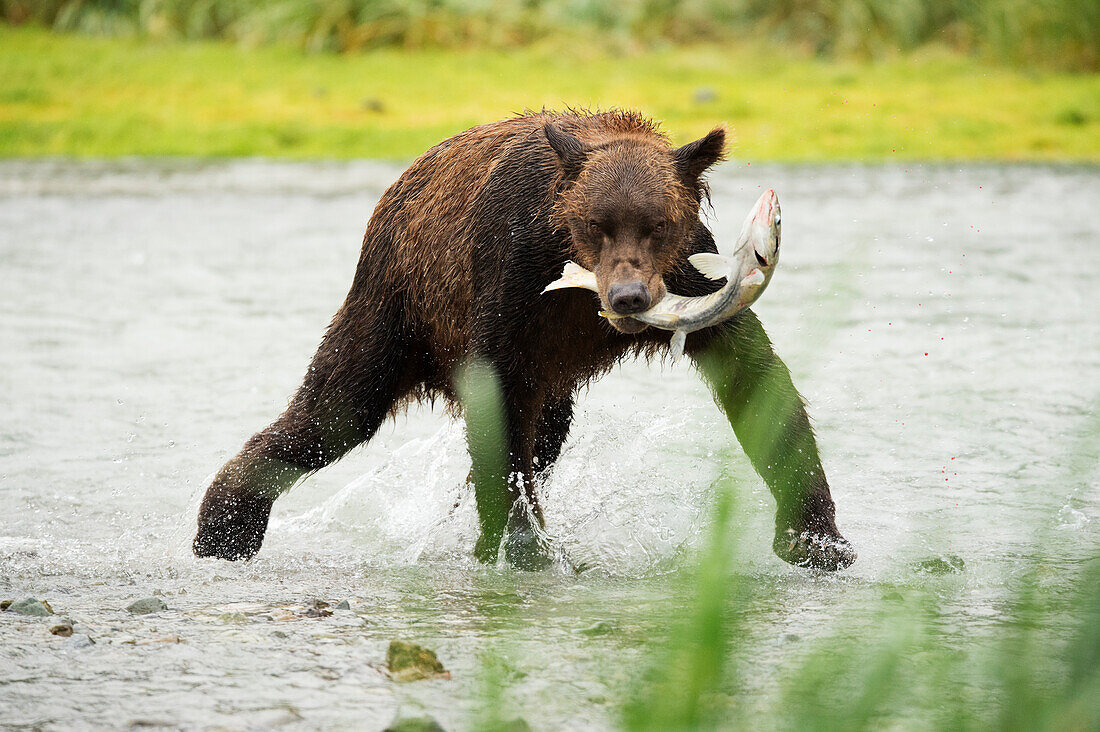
[(814, 550), (232, 527), (524, 550)]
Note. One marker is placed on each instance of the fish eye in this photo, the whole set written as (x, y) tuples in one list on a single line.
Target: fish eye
[(777, 218)]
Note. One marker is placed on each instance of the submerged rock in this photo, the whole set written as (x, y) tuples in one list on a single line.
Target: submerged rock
[(946, 564), (5, 604), (30, 606), (318, 609), (412, 662), (147, 605), (81, 641), (600, 627), (63, 629), (414, 724), (343, 605)]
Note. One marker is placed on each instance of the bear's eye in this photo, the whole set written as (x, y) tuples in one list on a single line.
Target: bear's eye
[(659, 227), (594, 227)]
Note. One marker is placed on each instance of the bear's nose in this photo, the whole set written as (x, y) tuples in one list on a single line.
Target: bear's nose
[(629, 299)]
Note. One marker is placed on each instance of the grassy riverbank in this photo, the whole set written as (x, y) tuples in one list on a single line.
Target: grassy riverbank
[(98, 97)]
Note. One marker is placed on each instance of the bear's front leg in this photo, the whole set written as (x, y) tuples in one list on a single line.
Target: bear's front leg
[(235, 510), (754, 389), (309, 435), (236, 507), (357, 374)]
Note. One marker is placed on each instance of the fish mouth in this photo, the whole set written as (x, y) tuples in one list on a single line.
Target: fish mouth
[(766, 206), (763, 262)]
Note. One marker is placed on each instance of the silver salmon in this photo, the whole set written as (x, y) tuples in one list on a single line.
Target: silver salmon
[(747, 272)]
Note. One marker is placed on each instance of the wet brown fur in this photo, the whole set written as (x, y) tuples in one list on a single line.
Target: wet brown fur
[(453, 264), (434, 229)]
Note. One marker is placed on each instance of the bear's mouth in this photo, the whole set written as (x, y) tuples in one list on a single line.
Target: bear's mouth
[(627, 325)]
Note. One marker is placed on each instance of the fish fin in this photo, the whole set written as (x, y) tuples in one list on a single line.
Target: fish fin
[(756, 277), (713, 266), (574, 275), (676, 345)]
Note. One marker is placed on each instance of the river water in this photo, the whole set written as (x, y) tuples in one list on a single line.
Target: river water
[(943, 323)]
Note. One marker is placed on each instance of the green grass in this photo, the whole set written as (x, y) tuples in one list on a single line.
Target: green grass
[(1048, 33), (97, 97), (895, 664), (899, 664)]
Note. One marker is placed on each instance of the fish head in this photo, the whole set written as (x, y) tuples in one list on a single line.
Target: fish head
[(631, 206), (761, 234)]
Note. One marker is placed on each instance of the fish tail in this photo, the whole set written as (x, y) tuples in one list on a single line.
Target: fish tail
[(574, 275)]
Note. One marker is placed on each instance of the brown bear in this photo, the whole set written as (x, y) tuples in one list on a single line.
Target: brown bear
[(453, 262)]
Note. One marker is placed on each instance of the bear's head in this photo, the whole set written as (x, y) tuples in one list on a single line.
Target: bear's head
[(630, 205)]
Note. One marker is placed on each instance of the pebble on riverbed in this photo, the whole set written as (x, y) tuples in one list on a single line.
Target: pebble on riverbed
[(146, 605), (412, 662), (156, 639), (63, 629), (427, 724), (30, 606), (414, 724), (318, 609)]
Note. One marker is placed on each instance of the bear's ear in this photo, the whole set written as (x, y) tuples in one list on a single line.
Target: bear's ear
[(571, 151), (693, 159)]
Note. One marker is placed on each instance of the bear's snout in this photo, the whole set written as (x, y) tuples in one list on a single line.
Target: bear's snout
[(630, 298)]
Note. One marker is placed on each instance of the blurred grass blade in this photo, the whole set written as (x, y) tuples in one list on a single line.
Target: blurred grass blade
[(681, 689)]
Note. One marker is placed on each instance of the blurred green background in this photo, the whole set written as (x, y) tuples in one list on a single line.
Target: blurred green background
[(794, 79)]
